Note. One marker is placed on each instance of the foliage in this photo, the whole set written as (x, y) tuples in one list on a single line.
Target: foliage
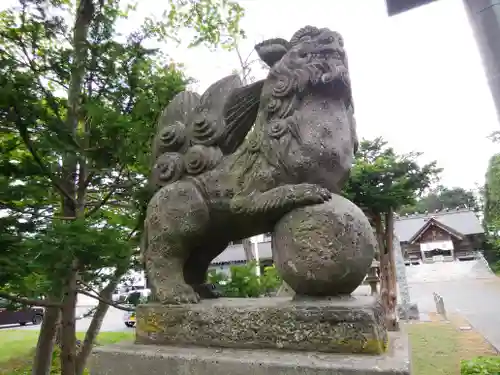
[(481, 366), (214, 22), (244, 281), (78, 106), (93, 167), (442, 198), (270, 280), (492, 192), (492, 212), (381, 179)]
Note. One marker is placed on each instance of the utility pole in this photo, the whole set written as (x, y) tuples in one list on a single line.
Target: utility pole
[(484, 18)]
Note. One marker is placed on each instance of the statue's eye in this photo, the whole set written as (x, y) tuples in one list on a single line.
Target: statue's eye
[(305, 38), (329, 39), (302, 54)]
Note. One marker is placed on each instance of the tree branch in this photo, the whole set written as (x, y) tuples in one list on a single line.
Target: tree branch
[(89, 178), (107, 196), (86, 286), (4, 205), (28, 301), (133, 231), (50, 98), (87, 314), (103, 300), (27, 141)]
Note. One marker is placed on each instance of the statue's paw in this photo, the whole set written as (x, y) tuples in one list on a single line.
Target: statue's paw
[(208, 291), (313, 194), (177, 295)]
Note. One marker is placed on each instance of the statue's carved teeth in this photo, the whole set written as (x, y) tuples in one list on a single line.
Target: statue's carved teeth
[(327, 77)]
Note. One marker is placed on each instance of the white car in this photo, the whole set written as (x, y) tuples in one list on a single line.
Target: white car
[(133, 299)]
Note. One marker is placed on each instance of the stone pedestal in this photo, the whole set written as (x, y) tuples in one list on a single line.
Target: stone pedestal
[(263, 336), (169, 360), (340, 325)]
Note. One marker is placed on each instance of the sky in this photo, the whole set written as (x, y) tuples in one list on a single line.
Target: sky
[(417, 78)]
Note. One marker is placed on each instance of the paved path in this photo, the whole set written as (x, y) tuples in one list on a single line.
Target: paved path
[(467, 288), (476, 300)]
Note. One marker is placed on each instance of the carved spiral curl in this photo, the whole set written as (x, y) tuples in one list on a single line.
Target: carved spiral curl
[(284, 85), (277, 128), (168, 168), (172, 137), (273, 105), (204, 131), (199, 158), (253, 143)]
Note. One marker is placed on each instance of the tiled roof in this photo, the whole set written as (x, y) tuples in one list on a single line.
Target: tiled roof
[(463, 221)]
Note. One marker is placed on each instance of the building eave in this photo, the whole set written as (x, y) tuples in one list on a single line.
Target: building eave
[(434, 222)]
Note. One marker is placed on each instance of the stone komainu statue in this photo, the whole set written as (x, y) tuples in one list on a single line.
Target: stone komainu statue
[(217, 179)]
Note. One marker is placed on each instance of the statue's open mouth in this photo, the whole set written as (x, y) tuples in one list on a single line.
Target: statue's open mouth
[(335, 76), (327, 53)]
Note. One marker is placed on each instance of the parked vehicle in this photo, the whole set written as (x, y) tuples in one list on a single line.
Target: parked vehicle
[(15, 313), (133, 299), (121, 293)]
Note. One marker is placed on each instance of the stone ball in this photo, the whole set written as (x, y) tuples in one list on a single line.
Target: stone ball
[(324, 249)]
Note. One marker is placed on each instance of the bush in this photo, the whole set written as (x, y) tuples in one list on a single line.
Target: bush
[(244, 281), (481, 366)]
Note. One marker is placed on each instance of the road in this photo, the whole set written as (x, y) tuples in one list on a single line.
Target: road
[(113, 322)]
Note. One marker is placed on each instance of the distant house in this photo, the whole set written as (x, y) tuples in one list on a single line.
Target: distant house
[(235, 254), (440, 236)]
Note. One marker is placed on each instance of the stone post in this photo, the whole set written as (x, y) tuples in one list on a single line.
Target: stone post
[(372, 279)]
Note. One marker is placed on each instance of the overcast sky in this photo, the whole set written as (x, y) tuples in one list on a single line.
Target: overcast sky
[(417, 78)]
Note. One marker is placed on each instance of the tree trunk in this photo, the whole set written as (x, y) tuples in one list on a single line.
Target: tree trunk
[(391, 266), (45, 345), (68, 331), (73, 166), (95, 326), (386, 292), (389, 235)]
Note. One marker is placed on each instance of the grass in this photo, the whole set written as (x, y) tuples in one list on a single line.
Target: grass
[(438, 347), (17, 346), (16, 343)]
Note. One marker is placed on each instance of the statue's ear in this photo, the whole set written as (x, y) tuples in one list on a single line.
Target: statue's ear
[(272, 50)]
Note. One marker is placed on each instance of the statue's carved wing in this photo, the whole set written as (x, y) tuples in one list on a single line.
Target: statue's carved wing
[(240, 112), (194, 132)]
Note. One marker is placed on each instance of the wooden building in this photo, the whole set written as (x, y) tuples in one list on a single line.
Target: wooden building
[(440, 236)]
